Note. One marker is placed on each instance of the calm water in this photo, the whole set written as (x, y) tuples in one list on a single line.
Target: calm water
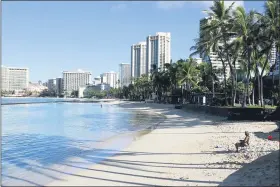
[(29, 99), (37, 139)]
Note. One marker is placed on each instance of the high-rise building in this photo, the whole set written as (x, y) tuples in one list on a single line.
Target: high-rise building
[(52, 85), (125, 74), (14, 79), (273, 55), (277, 65), (158, 51), (110, 78), (59, 86), (73, 80), (138, 59)]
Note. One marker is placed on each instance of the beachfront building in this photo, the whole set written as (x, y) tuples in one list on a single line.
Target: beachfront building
[(52, 85), (14, 78), (158, 51), (277, 63), (97, 80), (125, 74), (110, 78), (138, 59), (273, 55), (59, 86), (72, 80)]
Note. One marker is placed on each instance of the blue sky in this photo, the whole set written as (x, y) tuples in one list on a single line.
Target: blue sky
[(50, 37)]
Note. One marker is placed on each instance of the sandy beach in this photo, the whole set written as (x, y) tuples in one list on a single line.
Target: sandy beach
[(187, 149)]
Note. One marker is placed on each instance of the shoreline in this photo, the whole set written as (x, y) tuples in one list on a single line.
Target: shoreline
[(111, 144), (186, 149)]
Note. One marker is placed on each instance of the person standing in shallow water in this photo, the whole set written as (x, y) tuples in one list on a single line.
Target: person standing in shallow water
[(101, 105)]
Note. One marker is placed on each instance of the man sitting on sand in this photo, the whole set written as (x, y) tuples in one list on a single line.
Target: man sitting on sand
[(243, 143)]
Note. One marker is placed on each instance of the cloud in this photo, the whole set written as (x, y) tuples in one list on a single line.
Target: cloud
[(118, 7), (167, 5)]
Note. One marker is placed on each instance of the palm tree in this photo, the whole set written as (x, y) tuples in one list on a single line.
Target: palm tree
[(203, 47), (189, 74), (247, 27), (220, 25)]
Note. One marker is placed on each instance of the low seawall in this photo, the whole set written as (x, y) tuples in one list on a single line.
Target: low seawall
[(232, 113), (213, 110)]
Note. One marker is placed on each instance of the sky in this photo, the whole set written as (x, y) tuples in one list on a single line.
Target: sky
[(50, 37)]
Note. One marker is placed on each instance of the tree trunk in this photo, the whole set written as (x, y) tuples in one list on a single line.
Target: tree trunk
[(225, 78), (262, 104), (248, 74), (253, 95), (261, 77), (259, 90), (227, 55), (213, 81)]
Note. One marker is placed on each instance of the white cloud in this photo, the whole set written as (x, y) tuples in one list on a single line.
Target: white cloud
[(118, 7), (166, 5)]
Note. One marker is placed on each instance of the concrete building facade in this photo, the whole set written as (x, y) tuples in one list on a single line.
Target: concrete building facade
[(158, 51), (110, 78), (273, 55), (73, 80), (125, 74), (59, 86), (138, 59), (14, 78), (52, 85)]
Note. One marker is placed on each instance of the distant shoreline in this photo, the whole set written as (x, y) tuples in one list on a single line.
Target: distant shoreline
[(63, 100)]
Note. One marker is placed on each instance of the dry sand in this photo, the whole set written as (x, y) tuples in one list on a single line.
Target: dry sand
[(187, 149)]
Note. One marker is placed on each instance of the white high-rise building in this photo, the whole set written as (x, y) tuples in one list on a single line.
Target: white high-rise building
[(277, 65), (73, 80), (138, 59), (14, 79), (110, 78), (158, 50), (125, 74), (273, 55)]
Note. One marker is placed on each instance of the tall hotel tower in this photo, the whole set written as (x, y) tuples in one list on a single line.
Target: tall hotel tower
[(158, 51), (138, 59)]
